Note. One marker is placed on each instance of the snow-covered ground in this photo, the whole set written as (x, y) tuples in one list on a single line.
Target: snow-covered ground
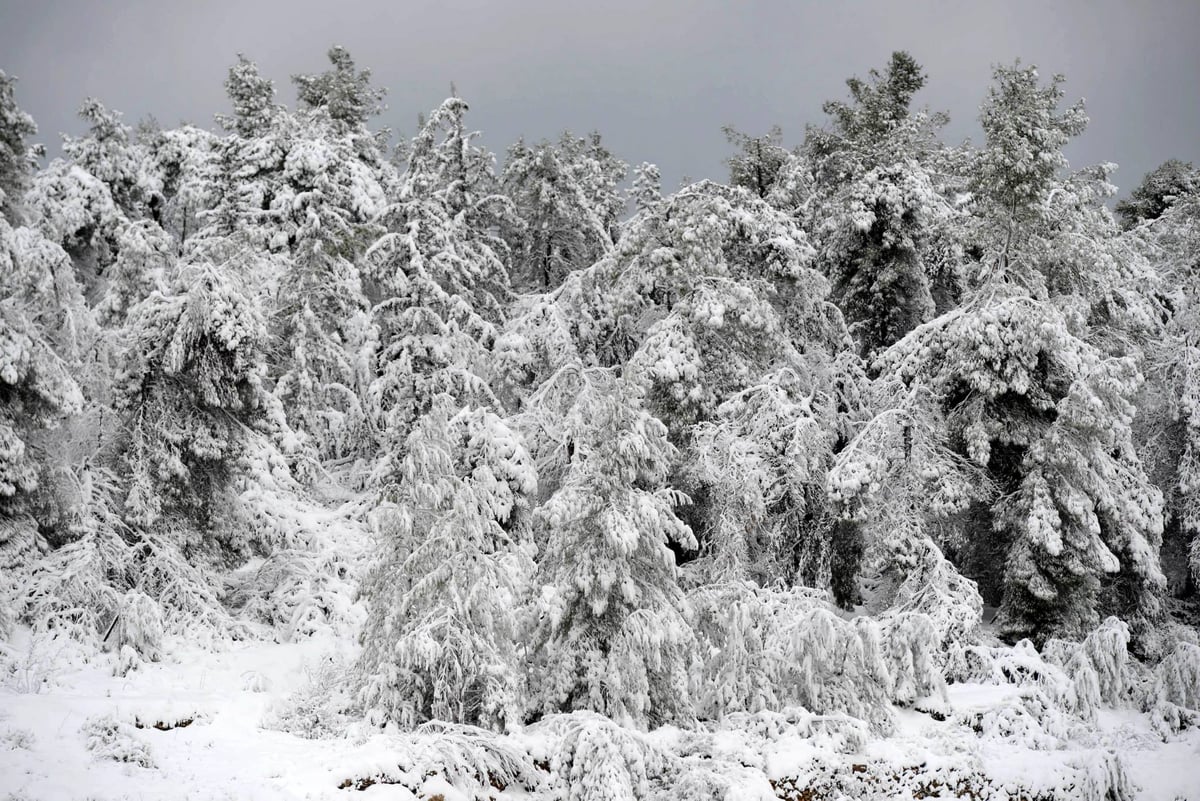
[(66, 725)]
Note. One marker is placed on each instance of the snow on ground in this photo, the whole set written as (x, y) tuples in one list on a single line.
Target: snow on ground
[(49, 712)]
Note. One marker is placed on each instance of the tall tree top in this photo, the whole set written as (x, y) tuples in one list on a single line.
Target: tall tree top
[(15, 126), (1158, 191), (253, 99), (880, 102), (1025, 132), (344, 91)]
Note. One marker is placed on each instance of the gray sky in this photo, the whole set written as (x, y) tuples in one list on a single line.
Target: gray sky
[(657, 79)]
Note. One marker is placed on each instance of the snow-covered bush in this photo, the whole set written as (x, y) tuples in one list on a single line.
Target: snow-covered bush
[(839, 733), (447, 759), (90, 587), (1019, 665), (299, 592), (935, 589), (1103, 654), (109, 738), (1028, 717), (320, 707), (137, 626), (1173, 694), (1076, 679), (596, 760), (768, 649)]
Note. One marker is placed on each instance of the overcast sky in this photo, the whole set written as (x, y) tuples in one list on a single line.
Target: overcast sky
[(657, 79)]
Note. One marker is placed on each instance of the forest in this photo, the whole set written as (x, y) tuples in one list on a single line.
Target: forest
[(872, 472)]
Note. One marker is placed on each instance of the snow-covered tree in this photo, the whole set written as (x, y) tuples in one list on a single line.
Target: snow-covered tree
[(1037, 375), (446, 169), (1169, 408), (435, 279), (245, 182), (76, 211), (191, 391), (566, 203), (762, 466), (899, 481), (611, 633), (760, 160), (1162, 187), (46, 330), (344, 91), (16, 162), (253, 99), (321, 310), (441, 638), (110, 153), (178, 178), (882, 212), (710, 303), (647, 186), (39, 390)]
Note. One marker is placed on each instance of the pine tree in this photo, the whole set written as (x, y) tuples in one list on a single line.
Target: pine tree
[(612, 634), (344, 91), (191, 392), (15, 154), (435, 279), (447, 170), (647, 186), (1037, 370), (760, 162), (110, 153), (879, 204), (441, 638), (1161, 188), (178, 177), (253, 99), (321, 310), (1169, 408), (567, 204), (762, 465), (245, 186), (38, 392), (902, 486)]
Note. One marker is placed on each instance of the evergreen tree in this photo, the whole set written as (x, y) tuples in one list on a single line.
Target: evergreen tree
[(647, 186), (253, 99), (760, 161), (1169, 407), (1039, 383), (38, 392), (435, 279), (1161, 188), (612, 634), (441, 639), (344, 91), (321, 309), (447, 170), (15, 154), (566, 202), (191, 391), (178, 177), (903, 488), (110, 153), (879, 203)]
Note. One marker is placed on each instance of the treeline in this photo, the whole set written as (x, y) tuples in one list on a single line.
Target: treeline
[(622, 451)]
